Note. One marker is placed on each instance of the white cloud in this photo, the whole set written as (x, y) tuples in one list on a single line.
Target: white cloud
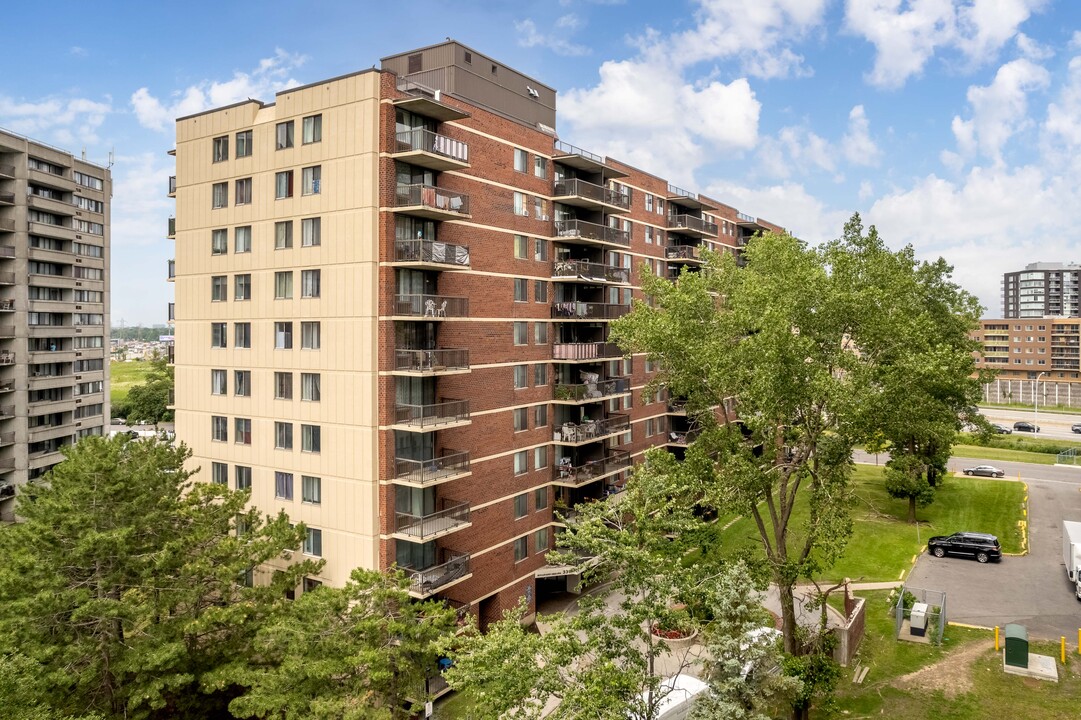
[(856, 145), (1033, 50), (272, 75), (78, 51), (999, 110), (1063, 125), (65, 121), (557, 41), (787, 204)]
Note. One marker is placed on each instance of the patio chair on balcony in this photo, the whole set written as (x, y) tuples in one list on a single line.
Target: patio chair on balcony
[(569, 432), (429, 308)]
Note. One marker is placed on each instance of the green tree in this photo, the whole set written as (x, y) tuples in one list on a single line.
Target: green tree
[(150, 400), (124, 582)]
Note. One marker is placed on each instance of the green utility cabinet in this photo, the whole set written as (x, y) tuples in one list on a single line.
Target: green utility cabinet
[(1016, 645)]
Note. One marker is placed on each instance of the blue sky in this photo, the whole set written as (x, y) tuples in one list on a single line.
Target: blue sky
[(952, 125)]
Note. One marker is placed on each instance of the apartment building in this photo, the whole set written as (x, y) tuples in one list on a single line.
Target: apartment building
[(392, 298), (1027, 352), (1042, 289), (54, 307)]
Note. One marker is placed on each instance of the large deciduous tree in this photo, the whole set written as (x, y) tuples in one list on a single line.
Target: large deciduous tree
[(149, 401)]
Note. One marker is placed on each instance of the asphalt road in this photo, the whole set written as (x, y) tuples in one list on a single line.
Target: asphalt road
[(1052, 425), (1032, 590)]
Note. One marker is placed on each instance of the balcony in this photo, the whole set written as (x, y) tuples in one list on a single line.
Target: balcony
[(452, 516), (172, 228), (7, 306), (7, 438), (435, 307), (591, 196), (6, 387), (427, 149), (7, 171), (451, 465), (578, 475), (682, 438), (7, 357), (691, 225), (7, 251), (7, 225), (172, 186), (588, 311), (684, 198), (425, 418), (679, 254), (426, 582), (172, 312), (7, 412), (588, 233), (429, 201), (590, 392), (7, 464), (172, 271), (7, 332), (441, 361), (51, 205), (585, 351), (591, 431), (589, 272), (7, 198), (170, 354), (431, 255), (579, 159)]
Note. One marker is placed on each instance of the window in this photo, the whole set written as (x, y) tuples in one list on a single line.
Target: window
[(521, 247), (309, 283), (283, 184), (313, 542), (283, 235), (242, 334), (521, 462), (309, 336), (311, 489), (243, 191), (540, 208), (219, 428), (309, 387), (219, 242), (540, 540), (219, 289), (283, 435), (219, 473), (521, 506), (521, 549), (521, 333), (521, 206), (540, 458), (283, 485), (311, 438), (540, 375), (221, 148), (649, 203), (243, 431), (521, 160), (540, 250), (283, 336), (242, 287), (283, 285), (283, 386), (310, 232), (521, 419), (521, 290), (217, 382), (540, 498), (242, 239), (220, 195), (649, 235), (520, 377), (284, 135), (540, 291), (540, 333), (217, 335), (242, 383), (310, 177), (540, 416), (243, 143), (660, 206), (540, 166), (242, 474), (312, 129)]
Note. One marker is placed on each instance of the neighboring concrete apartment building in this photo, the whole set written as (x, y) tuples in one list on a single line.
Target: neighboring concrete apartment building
[(54, 307), (393, 291), (1029, 350), (1042, 289)]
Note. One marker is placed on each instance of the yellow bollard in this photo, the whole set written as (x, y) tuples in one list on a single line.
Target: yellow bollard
[(1063, 652), (996, 637)]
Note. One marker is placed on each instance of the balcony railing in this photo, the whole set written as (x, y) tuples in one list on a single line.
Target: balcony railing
[(172, 227), (682, 437), (429, 472), (591, 191), (7, 251), (744, 217), (7, 438), (562, 148), (683, 252), (588, 311), (171, 270), (430, 251), (429, 580), (170, 354), (585, 392), (431, 306), (172, 184), (585, 351), (594, 429), (680, 192), (7, 357), (172, 312), (428, 141), (690, 222), (565, 473), (452, 515), (422, 416), (7, 224), (8, 386), (584, 230), (7, 411), (436, 360), (7, 305), (7, 198), (432, 197), (585, 270), (7, 331), (7, 170), (7, 463)]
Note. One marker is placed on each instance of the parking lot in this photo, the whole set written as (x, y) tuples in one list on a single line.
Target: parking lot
[(1032, 590)]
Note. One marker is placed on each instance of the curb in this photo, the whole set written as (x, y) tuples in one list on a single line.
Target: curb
[(969, 627)]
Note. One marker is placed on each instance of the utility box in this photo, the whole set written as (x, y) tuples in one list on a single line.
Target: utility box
[(1016, 645), (918, 619)]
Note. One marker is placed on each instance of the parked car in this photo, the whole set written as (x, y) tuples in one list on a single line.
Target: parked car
[(1000, 429), (1076, 427), (1022, 426), (984, 471), (981, 546)]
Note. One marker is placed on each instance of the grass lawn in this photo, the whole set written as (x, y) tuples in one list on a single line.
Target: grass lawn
[(883, 543), (990, 453), (123, 376)]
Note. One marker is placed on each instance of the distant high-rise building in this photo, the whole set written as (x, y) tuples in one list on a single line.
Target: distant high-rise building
[(54, 307), (1042, 289)]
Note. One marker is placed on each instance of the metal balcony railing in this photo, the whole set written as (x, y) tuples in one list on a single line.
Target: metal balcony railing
[(593, 429), (427, 472), (682, 437), (683, 252), (431, 306), (428, 141), (172, 227), (680, 192), (562, 148), (584, 230), (435, 360), (171, 270), (429, 580), (585, 351), (585, 270), (431, 251), (690, 222), (172, 184), (442, 413), (588, 311), (452, 515), (170, 354), (591, 391), (576, 187), (744, 217), (433, 197), (566, 473)]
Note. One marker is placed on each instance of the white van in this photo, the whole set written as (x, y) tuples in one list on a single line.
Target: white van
[(678, 697)]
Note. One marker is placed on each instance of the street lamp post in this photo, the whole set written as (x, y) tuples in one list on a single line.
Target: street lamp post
[(1036, 405)]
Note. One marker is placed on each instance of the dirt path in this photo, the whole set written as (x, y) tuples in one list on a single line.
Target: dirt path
[(952, 674)]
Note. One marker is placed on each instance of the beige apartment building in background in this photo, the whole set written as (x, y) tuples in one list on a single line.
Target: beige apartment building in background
[(54, 307), (392, 298)]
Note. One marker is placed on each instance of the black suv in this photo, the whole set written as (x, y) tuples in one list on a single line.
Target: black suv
[(981, 546), (1022, 426)]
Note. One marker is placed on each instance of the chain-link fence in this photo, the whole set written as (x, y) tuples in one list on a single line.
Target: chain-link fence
[(930, 611)]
